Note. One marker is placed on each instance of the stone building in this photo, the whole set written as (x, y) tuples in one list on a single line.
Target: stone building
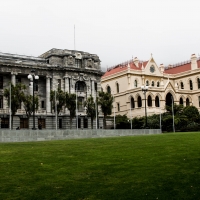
[(179, 83), (71, 71)]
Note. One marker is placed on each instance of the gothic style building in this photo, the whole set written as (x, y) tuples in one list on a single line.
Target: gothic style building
[(179, 83), (71, 71)]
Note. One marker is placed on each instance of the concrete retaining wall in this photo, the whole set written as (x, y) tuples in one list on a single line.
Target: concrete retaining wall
[(43, 135)]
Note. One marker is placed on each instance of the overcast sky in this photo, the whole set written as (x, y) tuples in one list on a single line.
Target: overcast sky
[(115, 30)]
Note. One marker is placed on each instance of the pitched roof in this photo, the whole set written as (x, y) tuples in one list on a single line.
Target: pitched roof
[(182, 67), (123, 67)]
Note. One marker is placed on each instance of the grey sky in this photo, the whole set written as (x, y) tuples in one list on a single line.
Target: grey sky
[(115, 30)]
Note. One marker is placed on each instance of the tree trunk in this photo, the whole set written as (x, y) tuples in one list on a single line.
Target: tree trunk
[(104, 122), (70, 123), (91, 123)]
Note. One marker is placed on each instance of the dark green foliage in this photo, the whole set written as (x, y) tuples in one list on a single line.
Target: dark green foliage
[(71, 106), (154, 121), (17, 97), (138, 122), (60, 99), (28, 104), (105, 100), (91, 109), (162, 166), (122, 122)]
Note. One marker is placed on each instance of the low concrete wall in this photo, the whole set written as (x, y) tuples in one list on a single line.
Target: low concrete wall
[(43, 135)]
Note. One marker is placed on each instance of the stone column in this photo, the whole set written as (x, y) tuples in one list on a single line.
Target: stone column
[(72, 89), (88, 85), (48, 103), (66, 78), (93, 90), (13, 78)]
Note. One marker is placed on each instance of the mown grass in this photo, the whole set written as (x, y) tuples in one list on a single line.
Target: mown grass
[(163, 166)]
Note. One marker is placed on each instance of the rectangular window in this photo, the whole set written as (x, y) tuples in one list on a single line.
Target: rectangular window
[(1, 82), (36, 85), (42, 122), (4, 122), (60, 123), (199, 101), (1, 101), (118, 107), (85, 123), (78, 63), (79, 122), (18, 80), (80, 103), (42, 104), (24, 123)]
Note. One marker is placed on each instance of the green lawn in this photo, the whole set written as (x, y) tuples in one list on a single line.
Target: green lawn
[(163, 166)]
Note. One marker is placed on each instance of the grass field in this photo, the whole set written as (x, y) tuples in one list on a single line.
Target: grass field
[(163, 166)]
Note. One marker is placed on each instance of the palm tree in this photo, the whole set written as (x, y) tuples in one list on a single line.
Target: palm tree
[(105, 101), (91, 109), (17, 97), (71, 106)]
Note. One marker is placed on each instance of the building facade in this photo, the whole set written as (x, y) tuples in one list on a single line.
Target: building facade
[(72, 71), (179, 83)]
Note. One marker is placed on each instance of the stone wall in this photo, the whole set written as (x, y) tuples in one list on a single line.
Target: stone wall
[(44, 135)]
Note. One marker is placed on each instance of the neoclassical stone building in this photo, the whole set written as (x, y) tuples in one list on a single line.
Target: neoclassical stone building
[(179, 82), (72, 71)]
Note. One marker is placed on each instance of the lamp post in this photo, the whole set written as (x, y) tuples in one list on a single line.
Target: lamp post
[(76, 107), (114, 108), (32, 77), (96, 110), (173, 113), (10, 109), (130, 113), (145, 89)]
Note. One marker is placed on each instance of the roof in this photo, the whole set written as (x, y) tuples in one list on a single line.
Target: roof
[(181, 67), (123, 67)]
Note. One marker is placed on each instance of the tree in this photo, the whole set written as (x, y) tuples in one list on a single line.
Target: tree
[(60, 98), (122, 122), (28, 104), (17, 97), (71, 106), (105, 101), (91, 109)]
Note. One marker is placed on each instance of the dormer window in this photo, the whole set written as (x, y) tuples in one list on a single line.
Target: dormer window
[(78, 63)]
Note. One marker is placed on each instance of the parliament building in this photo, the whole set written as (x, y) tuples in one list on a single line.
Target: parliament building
[(143, 87), (70, 70)]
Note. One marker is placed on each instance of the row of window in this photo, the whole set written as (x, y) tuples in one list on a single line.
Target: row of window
[(157, 84), (149, 102), (24, 123)]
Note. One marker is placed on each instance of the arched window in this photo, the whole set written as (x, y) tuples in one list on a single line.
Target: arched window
[(108, 89), (135, 83), (147, 83), (181, 101), (152, 83), (158, 84), (132, 102), (187, 102), (117, 87), (198, 83), (149, 101), (157, 101), (182, 86), (139, 101), (80, 86), (191, 85)]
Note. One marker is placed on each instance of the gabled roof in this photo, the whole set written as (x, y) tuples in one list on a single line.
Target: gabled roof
[(123, 67), (182, 67)]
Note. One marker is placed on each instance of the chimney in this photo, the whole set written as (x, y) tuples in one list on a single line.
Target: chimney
[(136, 61), (162, 68), (193, 62)]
